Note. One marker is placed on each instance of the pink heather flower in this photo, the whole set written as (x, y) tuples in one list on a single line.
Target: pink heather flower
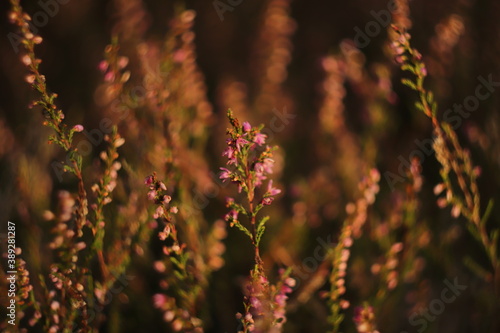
[(229, 201), (358, 314), (268, 164), (398, 49), (103, 66), (272, 190), (423, 70), (30, 79), (267, 201), (159, 300), (78, 128), (247, 127), (240, 142), (259, 139), (174, 210), (122, 62), (26, 60), (229, 152), (344, 304), (281, 299), (151, 195), (439, 188), (225, 174), (162, 186), (259, 168), (231, 216), (148, 180), (417, 54), (179, 56), (256, 303), (159, 212), (109, 77)]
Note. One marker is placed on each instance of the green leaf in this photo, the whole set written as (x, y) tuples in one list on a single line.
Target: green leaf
[(242, 228), (408, 68), (419, 106), (259, 234), (263, 222), (68, 168), (179, 275), (409, 83), (487, 213), (494, 235), (430, 97)]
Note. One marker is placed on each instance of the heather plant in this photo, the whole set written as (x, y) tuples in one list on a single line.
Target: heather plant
[(458, 174), (251, 162)]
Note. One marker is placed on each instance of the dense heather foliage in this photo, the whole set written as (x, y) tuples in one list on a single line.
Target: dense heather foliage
[(227, 166)]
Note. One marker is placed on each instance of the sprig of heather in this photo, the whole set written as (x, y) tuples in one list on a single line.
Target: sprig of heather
[(265, 303), (364, 318), (351, 229), (250, 162), (65, 274), (25, 293), (103, 190), (53, 115), (417, 235), (457, 171), (179, 311), (158, 194)]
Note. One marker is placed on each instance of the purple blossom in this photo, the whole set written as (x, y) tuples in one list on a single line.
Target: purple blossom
[(151, 195), (240, 142), (167, 199), (268, 165), (78, 128), (231, 156), (231, 216), (148, 180), (225, 174), (256, 303), (159, 212), (162, 186), (159, 300), (281, 299), (267, 201), (259, 168), (423, 70), (103, 66), (246, 126), (259, 139), (272, 190)]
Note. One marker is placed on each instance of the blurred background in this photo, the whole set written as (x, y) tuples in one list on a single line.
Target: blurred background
[(320, 76)]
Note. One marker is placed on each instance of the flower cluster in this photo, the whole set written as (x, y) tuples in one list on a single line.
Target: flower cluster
[(158, 194), (251, 162), (364, 318), (281, 296), (262, 299), (180, 320)]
